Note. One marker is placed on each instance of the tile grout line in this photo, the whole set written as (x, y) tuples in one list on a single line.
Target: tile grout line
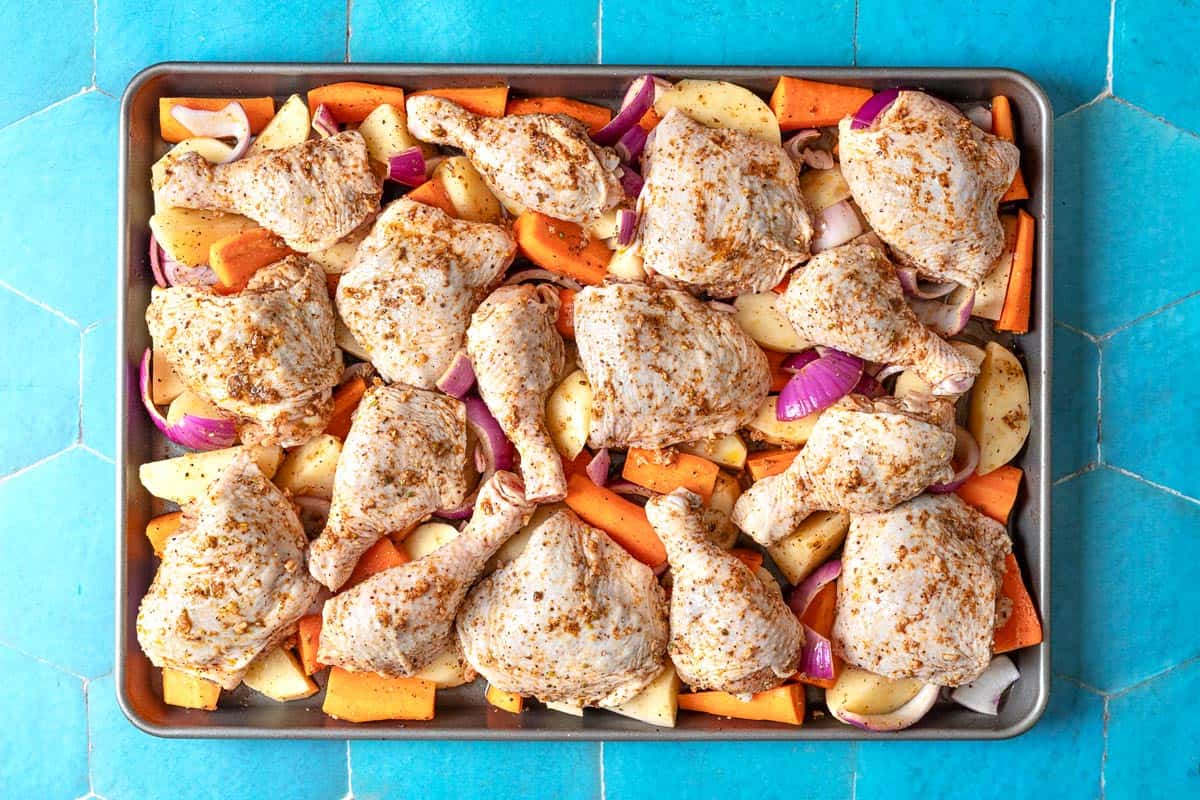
[(349, 9), (1099, 402), (1127, 325), (599, 31), (79, 432), (89, 449), (84, 90), (854, 38), (1087, 687), (1112, 26), (1187, 662), (44, 460), (1077, 473), (77, 676), (1161, 487), (1156, 117), (349, 774), (87, 716), (95, 36), (36, 302), (1103, 95), (1079, 331), (1104, 752), (603, 787), (854, 772)]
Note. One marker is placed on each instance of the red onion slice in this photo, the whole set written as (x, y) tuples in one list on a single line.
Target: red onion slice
[(180, 274), (626, 226), (542, 275), (597, 468), (458, 378), (156, 254), (195, 433), (795, 146), (323, 122), (797, 361), (818, 385), (868, 386), (915, 287), (630, 488), (966, 455), (889, 371), (661, 87), (631, 145), (631, 113), (983, 694), (817, 159), (228, 122), (408, 167), (835, 226), (876, 104), (945, 318), (631, 182), (803, 594), (981, 116), (497, 449), (903, 717), (816, 657)]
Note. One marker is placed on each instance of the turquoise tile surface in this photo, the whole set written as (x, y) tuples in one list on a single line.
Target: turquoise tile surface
[(48, 56), (1154, 54), (1076, 378), (99, 387), (48, 710), (1152, 738), (727, 32)]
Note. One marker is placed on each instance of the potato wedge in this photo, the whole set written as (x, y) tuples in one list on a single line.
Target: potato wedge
[(345, 340), (187, 403), (657, 704), (184, 478), (908, 382), (468, 193), (763, 323), (766, 427), (290, 126), (165, 383), (999, 412), (606, 226), (725, 451), (569, 413), (186, 234), (814, 541), (428, 537), (309, 468), (719, 104), (626, 264), (386, 133), (823, 188), (336, 259), (448, 669), (278, 675), (565, 708), (188, 691), (516, 543), (862, 692), (989, 297)]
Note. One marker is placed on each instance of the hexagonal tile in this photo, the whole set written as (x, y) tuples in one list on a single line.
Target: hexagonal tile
[(1060, 758), (99, 387), (1152, 738), (57, 533), (48, 711), (130, 765), (58, 229), (1126, 574), (1151, 414), (737, 32), (1076, 364), (1121, 250), (39, 383), (48, 56), (1153, 45), (450, 31), (131, 35), (941, 32), (470, 770)]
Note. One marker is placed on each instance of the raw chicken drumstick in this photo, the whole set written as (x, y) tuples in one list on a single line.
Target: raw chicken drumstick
[(730, 631), (413, 284), (930, 181), (863, 455), (404, 458), (311, 194), (265, 355), (573, 619), (664, 367), (545, 162), (721, 211), (232, 582), (918, 593), (397, 621), (850, 298)]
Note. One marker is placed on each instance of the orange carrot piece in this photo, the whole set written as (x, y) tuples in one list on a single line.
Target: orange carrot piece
[(779, 377), (308, 642), (622, 520), (1002, 126), (433, 193), (565, 321), (781, 287), (820, 615), (577, 465), (259, 111), (188, 691), (352, 101), (664, 471), (800, 103), (766, 463), (490, 101), (235, 258), (366, 697), (505, 701), (751, 558), (561, 247), (161, 528), (994, 494), (384, 554), (784, 704), (595, 117), (649, 120), (345, 400), (1014, 315), (332, 279), (1023, 627)]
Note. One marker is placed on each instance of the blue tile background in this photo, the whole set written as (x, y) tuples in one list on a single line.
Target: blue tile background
[(1127, 532)]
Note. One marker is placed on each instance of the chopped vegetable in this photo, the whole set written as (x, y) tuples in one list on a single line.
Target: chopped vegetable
[(800, 103), (380, 556), (665, 471), (433, 193), (235, 258), (161, 528), (983, 694), (459, 377), (278, 675), (505, 701), (818, 384), (1023, 628), (308, 642), (193, 432), (490, 101), (309, 470), (323, 122), (594, 117), (631, 113), (258, 110), (352, 101), (1014, 316), (804, 552), (562, 247), (229, 122), (783, 704), (345, 400), (994, 494), (945, 318), (751, 558), (835, 225), (966, 456), (564, 323), (597, 469), (818, 620), (407, 167), (188, 691), (866, 115), (625, 522), (1002, 126), (366, 697), (183, 478), (765, 463), (903, 717)]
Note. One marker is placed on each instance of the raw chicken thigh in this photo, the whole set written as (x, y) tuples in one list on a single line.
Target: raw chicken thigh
[(573, 619), (232, 582), (918, 591), (265, 355), (863, 455), (664, 367), (849, 298), (930, 181), (413, 284), (397, 621), (730, 631), (545, 162), (518, 357), (721, 211), (311, 194), (403, 459)]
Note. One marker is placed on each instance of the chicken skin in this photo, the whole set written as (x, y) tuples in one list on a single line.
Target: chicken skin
[(849, 298), (397, 621), (664, 367), (930, 181), (573, 619), (413, 284), (721, 211), (404, 458), (518, 357), (265, 355), (311, 194), (730, 631), (863, 455), (918, 593), (232, 582), (545, 162)]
